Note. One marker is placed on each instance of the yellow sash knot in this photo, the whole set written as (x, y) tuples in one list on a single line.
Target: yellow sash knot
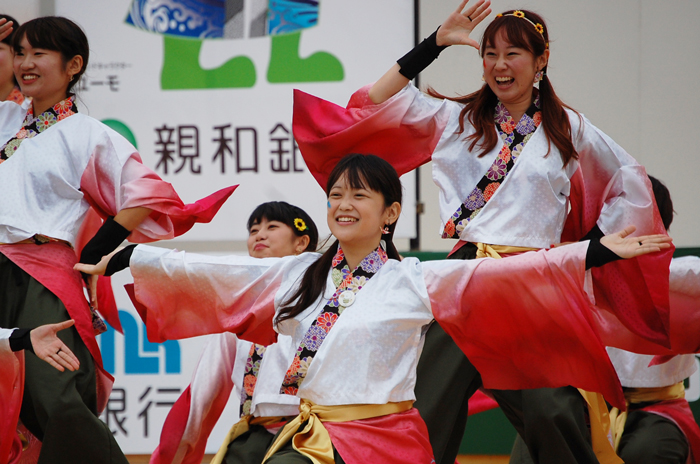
[(241, 427), (484, 250), (313, 441), (642, 395)]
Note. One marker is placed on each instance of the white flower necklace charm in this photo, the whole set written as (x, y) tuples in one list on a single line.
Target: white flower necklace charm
[(346, 298)]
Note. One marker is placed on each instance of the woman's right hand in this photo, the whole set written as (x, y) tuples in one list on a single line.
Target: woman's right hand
[(457, 27)]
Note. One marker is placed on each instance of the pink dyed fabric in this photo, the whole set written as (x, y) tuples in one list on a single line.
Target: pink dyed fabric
[(11, 387), (137, 185), (51, 265), (326, 132), (527, 333), (387, 439), (636, 290), (190, 421)]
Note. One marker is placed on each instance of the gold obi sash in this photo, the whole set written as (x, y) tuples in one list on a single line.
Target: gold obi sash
[(313, 441), (642, 395), (484, 250), (241, 427)]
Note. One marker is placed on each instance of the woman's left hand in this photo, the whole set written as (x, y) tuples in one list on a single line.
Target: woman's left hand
[(625, 246), (95, 270)]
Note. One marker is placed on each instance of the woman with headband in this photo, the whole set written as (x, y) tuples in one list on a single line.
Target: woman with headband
[(517, 170)]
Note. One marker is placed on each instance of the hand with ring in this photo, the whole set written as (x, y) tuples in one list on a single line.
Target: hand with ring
[(48, 347), (457, 27)]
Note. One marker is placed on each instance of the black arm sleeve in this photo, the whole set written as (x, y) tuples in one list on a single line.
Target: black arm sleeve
[(120, 260), (598, 254), (21, 340), (110, 235), (594, 233), (420, 57)]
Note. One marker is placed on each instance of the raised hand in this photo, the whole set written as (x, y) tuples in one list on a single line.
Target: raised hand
[(48, 347), (5, 28), (457, 27), (625, 246)]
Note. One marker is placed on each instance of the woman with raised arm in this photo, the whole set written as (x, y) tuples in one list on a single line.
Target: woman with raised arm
[(357, 315), (517, 170), (56, 163), (275, 229)]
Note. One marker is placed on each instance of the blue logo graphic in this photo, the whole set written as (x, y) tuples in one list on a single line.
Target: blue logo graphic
[(134, 363)]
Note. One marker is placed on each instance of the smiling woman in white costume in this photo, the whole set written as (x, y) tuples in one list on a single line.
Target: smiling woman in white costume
[(56, 163), (357, 315), (517, 170)]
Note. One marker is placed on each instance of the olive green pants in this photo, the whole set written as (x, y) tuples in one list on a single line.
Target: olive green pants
[(59, 408)]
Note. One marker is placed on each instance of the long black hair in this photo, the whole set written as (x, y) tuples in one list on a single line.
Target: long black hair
[(361, 171), (290, 215), (663, 201), (58, 34)]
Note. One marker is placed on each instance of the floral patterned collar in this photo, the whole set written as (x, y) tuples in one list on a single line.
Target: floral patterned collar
[(526, 125), (347, 285), (15, 96), (32, 126)]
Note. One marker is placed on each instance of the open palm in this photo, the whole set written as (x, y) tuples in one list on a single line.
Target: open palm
[(625, 246), (457, 27)]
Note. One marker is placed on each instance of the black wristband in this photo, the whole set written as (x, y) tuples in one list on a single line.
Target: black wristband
[(598, 254), (594, 233), (20, 339), (420, 57), (110, 235), (119, 261)]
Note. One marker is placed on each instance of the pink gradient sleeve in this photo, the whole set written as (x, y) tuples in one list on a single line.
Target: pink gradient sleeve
[(404, 130), (189, 423), (11, 388), (611, 190), (183, 295), (115, 178), (524, 321)]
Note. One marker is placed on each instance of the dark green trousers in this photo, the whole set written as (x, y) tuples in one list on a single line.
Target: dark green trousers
[(551, 420), (648, 439), (59, 408)]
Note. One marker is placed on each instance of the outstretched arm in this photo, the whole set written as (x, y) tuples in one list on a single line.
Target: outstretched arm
[(455, 30)]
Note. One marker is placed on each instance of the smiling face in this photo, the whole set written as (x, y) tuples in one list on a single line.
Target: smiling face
[(510, 72), (274, 239), (357, 215), (43, 75)]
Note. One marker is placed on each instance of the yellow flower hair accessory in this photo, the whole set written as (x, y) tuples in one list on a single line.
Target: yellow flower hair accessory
[(520, 14), (300, 224)]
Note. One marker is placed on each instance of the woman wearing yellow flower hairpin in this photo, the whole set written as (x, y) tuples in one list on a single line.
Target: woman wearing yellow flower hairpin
[(517, 170)]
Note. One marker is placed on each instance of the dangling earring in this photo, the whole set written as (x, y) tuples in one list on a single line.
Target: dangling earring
[(538, 76), (385, 229), (483, 79)]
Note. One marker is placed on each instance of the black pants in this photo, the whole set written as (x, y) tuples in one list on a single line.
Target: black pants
[(648, 439), (551, 420), (59, 408)]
